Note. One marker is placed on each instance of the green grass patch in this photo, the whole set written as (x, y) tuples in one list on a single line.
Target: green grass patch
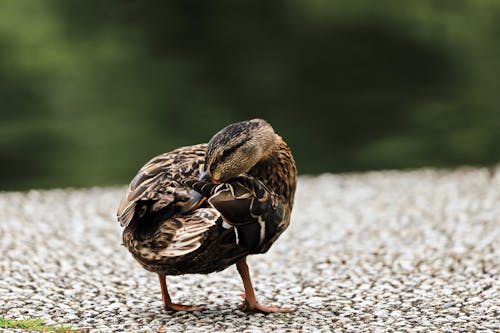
[(33, 325)]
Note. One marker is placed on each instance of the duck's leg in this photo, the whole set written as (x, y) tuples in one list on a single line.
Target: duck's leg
[(251, 304), (167, 302)]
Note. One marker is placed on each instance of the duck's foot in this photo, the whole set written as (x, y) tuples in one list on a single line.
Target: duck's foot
[(250, 304), (182, 307), (167, 301), (258, 308)]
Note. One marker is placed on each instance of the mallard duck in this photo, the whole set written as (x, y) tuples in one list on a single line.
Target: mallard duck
[(203, 208)]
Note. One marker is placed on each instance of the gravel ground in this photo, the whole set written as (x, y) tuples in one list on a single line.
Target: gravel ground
[(382, 251)]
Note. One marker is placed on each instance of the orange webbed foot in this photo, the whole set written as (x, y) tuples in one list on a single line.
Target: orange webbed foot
[(182, 307), (258, 308)]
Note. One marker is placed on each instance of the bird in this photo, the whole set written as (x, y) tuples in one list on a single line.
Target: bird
[(200, 209)]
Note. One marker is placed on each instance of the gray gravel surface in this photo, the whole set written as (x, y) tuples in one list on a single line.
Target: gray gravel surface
[(382, 251)]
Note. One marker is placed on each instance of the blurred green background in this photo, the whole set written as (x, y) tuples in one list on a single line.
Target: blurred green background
[(90, 90)]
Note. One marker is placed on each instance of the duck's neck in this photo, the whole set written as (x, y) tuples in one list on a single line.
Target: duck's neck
[(278, 171)]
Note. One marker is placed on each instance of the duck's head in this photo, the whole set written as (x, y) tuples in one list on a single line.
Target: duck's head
[(236, 148), (233, 151)]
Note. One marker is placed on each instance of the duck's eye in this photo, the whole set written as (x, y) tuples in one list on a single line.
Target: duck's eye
[(231, 150)]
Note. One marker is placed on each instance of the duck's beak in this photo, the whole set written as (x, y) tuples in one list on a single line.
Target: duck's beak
[(195, 201), (204, 176), (196, 198)]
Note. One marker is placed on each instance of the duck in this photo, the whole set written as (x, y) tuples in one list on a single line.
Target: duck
[(203, 208)]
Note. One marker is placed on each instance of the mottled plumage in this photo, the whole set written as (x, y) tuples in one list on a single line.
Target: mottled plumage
[(159, 182), (248, 206), (248, 183)]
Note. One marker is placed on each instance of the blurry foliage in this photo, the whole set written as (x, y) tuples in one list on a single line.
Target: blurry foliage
[(91, 89)]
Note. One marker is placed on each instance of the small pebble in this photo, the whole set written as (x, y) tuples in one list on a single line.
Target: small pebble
[(389, 251)]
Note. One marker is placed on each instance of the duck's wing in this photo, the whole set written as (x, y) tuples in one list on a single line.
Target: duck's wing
[(185, 233), (249, 206), (158, 182), (176, 236)]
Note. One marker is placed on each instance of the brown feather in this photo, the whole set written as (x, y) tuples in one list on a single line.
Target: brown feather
[(256, 206)]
